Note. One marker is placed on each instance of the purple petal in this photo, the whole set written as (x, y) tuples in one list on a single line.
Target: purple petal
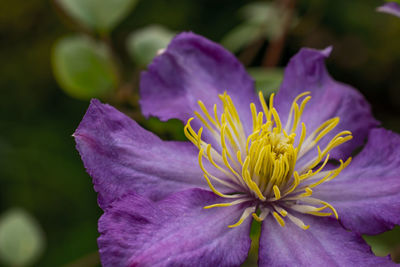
[(367, 193), (325, 243), (122, 157), (392, 8), (306, 71), (194, 68), (176, 231)]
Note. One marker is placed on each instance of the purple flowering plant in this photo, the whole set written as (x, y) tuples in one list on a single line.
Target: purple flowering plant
[(285, 162)]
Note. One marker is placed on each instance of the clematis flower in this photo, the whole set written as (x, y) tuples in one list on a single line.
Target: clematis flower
[(284, 162), (392, 8)]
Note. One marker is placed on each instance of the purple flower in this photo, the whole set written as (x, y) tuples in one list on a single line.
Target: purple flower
[(390, 8), (285, 164)]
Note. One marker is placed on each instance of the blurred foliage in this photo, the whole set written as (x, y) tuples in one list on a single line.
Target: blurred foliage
[(397, 1), (266, 80), (168, 130), (21, 238), (99, 15), (386, 243), (83, 67), (40, 169), (261, 20), (144, 43)]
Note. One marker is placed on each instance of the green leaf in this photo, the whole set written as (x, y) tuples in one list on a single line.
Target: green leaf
[(100, 15), (83, 68), (397, 1), (241, 36), (144, 43), (167, 130), (268, 80), (384, 243), (260, 12), (262, 20), (21, 238)]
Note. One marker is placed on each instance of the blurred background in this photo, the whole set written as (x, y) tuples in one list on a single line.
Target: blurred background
[(56, 55)]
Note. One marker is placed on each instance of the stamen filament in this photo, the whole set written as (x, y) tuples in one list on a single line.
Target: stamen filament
[(245, 214), (278, 219), (262, 216), (277, 192), (205, 111), (233, 186), (239, 201), (298, 222), (217, 192)]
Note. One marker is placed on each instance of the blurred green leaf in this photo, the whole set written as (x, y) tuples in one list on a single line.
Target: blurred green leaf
[(384, 243), (100, 15), (21, 238), (267, 80), (261, 20), (167, 130), (397, 1), (83, 68), (144, 43), (241, 36), (261, 12)]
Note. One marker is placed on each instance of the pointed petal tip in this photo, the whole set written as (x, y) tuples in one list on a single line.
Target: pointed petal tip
[(123, 157), (94, 105), (322, 53), (95, 101), (327, 51)]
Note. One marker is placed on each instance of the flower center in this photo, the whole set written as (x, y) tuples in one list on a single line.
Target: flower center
[(271, 168)]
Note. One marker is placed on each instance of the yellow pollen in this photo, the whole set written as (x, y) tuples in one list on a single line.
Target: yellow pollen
[(261, 166)]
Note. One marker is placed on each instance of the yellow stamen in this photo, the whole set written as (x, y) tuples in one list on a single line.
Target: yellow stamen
[(262, 216), (260, 167), (271, 106), (245, 214), (281, 211), (216, 191), (296, 111), (307, 193), (296, 181), (298, 222), (277, 192), (205, 122), (320, 214), (234, 186), (239, 201), (262, 101), (303, 135), (278, 219), (205, 111), (332, 209), (277, 120), (255, 216)]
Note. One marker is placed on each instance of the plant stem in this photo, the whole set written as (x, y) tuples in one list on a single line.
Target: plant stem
[(275, 48)]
